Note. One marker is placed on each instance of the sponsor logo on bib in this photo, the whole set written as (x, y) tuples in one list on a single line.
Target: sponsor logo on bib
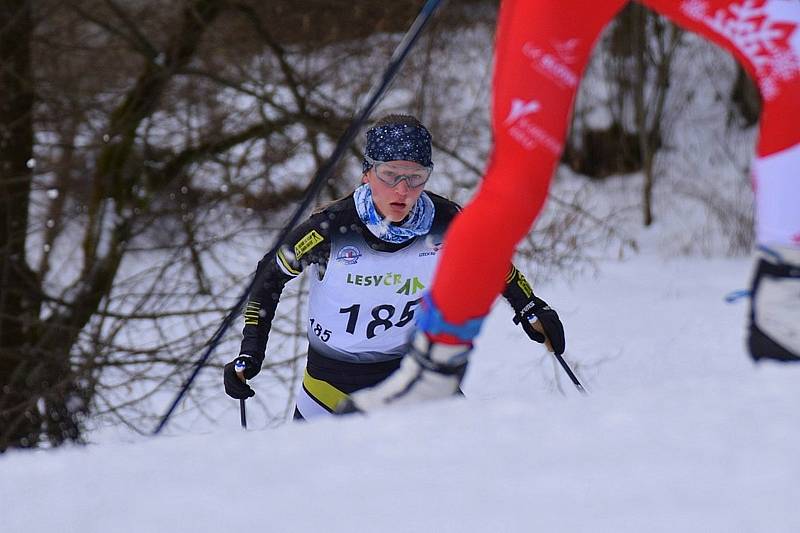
[(432, 249), (408, 285), (348, 255)]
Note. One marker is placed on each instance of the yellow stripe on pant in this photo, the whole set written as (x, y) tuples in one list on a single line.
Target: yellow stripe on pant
[(323, 392)]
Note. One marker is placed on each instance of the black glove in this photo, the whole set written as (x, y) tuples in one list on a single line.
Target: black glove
[(549, 320), (235, 387)]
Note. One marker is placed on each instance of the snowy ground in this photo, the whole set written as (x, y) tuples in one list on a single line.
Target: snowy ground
[(680, 433)]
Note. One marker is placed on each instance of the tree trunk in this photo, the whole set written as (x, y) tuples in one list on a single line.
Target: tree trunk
[(19, 418), (45, 394), (647, 192), (639, 43)]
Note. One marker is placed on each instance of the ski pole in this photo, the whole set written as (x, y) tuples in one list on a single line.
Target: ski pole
[(561, 361), (242, 414), (239, 368), (322, 175), (570, 373)]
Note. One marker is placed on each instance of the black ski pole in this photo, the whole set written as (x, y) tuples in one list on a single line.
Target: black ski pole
[(322, 175), (570, 373), (563, 363), (239, 368), (242, 414)]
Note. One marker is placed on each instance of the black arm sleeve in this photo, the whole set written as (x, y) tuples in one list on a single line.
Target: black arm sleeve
[(306, 244)]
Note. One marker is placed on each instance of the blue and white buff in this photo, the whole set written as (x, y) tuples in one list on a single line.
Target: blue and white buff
[(418, 222)]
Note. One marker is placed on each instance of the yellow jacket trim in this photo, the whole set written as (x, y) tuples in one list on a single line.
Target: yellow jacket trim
[(511, 274), (286, 267), (252, 313)]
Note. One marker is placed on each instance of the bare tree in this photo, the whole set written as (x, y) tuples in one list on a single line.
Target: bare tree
[(655, 41), (19, 303)]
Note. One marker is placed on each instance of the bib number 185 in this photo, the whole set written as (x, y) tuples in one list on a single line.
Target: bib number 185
[(381, 317), (319, 331)]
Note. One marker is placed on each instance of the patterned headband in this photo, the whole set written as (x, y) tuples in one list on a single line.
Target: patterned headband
[(398, 142)]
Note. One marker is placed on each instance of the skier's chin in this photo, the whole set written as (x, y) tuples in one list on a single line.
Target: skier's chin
[(397, 211)]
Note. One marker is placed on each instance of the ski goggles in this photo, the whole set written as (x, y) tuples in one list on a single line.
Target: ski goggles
[(392, 174)]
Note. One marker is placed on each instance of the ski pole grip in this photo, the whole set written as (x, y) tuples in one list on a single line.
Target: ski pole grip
[(239, 367)]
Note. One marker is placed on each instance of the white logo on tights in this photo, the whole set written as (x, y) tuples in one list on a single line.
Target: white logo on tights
[(521, 108)]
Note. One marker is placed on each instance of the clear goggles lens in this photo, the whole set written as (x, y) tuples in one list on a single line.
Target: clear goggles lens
[(392, 173)]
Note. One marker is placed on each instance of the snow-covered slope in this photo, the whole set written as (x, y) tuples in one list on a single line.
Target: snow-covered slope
[(680, 432)]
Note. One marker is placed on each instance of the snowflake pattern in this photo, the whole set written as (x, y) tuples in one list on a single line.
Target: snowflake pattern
[(785, 65), (398, 142), (695, 9), (764, 41), (769, 88)]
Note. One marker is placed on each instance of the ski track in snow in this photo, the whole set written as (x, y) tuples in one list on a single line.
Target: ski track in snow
[(679, 432)]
